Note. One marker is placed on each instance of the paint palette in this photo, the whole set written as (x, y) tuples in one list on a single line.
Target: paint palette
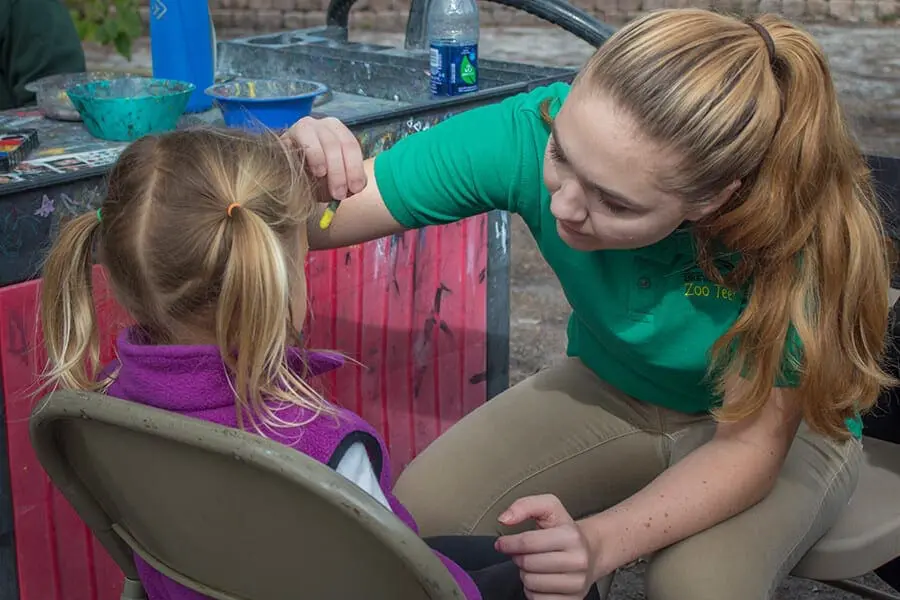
[(15, 146)]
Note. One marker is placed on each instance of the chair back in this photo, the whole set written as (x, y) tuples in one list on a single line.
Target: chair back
[(227, 513)]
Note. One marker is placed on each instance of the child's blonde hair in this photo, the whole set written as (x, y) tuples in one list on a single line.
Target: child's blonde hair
[(203, 235)]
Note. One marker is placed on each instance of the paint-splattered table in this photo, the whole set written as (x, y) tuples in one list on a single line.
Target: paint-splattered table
[(56, 180)]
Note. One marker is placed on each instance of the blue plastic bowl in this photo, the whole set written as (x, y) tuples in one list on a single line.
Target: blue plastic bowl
[(125, 109), (265, 103)]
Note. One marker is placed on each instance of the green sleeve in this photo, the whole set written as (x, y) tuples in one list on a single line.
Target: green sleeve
[(791, 375), (791, 371), (38, 39), (792, 363), (482, 159)]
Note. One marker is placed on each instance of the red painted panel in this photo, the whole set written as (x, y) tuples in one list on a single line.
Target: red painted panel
[(58, 558), (411, 309)]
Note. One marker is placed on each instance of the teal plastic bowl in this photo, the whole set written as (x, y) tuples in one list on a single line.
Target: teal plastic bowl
[(125, 109)]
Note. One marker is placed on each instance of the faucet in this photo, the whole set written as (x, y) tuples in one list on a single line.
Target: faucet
[(417, 25)]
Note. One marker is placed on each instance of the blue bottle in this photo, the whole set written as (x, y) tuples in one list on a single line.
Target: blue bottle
[(183, 46), (453, 31)]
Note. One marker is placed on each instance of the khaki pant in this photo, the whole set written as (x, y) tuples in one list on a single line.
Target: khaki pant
[(566, 432)]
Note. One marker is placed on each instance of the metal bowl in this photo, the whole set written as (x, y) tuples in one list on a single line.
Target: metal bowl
[(52, 97)]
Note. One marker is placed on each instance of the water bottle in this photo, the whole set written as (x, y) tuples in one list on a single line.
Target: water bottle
[(183, 46), (453, 39)]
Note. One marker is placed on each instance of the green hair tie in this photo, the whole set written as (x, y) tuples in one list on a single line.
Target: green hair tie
[(99, 215)]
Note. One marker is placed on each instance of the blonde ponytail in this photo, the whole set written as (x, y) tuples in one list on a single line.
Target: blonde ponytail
[(810, 222), (254, 315), (68, 321)]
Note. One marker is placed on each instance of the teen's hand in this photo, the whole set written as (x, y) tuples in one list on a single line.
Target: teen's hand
[(554, 560), (332, 152)]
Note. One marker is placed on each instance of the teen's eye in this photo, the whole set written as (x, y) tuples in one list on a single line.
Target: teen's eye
[(613, 209), (555, 153)]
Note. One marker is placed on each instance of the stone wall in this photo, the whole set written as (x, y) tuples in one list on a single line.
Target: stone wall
[(390, 15)]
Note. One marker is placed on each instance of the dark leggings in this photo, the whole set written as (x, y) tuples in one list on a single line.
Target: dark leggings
[(496, 576)]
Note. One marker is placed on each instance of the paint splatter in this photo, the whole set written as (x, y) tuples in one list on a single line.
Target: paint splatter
[(46, 208)]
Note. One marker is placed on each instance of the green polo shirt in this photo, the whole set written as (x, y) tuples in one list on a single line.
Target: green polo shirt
[(643, 320)]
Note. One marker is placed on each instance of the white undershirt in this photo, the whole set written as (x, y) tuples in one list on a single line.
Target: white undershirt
[(356, 467)]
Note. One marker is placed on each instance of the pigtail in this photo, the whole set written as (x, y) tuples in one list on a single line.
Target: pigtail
[(254, 316), (67, 308)]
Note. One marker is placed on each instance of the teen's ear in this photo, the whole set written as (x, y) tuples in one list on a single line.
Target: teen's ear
[(705, 209)]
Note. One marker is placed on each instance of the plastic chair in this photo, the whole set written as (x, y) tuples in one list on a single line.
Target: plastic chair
[(867, 535), (229, 514)]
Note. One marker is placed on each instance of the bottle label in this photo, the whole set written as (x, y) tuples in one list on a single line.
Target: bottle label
[(454, 69)]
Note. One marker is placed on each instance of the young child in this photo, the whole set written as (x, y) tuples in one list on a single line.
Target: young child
[(203, 236)]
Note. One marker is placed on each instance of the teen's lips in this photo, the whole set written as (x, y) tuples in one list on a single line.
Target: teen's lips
[(567, 231)]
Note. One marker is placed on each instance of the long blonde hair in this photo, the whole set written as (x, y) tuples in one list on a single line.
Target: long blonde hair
[(739, 103), (202, 234)]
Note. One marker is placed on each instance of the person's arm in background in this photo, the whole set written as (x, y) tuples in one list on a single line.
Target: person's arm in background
[(436, 176), (38, 39)]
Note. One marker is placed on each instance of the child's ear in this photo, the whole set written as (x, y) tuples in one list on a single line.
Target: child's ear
[(705, 209), (321, 193), (302, 242)]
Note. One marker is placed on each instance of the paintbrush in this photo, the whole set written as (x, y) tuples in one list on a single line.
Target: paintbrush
[(328, 215)]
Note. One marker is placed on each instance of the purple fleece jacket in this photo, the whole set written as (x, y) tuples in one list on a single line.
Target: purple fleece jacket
[(192, 381)]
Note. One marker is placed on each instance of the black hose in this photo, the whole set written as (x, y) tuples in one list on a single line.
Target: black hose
[(570, 18), (576, 21), (338, 13)]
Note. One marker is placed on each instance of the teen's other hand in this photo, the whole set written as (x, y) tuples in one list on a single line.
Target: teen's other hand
[(555, 560)]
